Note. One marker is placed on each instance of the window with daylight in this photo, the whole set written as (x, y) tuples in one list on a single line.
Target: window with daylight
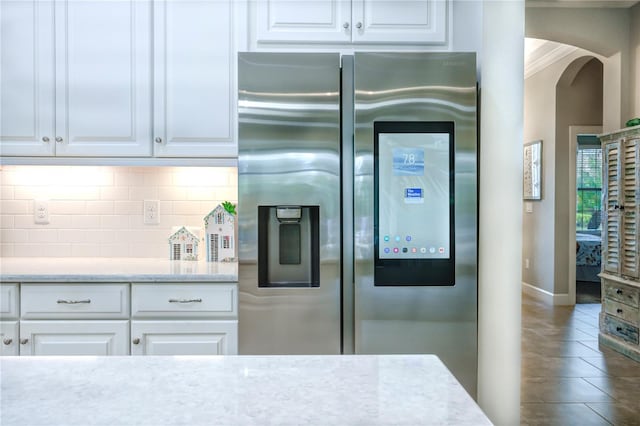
[(588, 187)]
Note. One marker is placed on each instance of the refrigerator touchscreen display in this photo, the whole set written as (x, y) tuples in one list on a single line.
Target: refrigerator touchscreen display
[(413, 187)]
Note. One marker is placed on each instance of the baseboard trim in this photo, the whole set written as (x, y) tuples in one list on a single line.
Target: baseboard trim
[(545, 296)]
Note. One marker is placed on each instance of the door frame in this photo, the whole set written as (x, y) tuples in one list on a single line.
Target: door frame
[(574, 131)]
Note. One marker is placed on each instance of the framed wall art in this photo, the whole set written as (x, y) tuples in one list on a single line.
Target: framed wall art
[(532, 178)]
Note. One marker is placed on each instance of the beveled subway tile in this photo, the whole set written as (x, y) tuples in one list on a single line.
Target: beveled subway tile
[(553, 389), (617, 413), (543, 366), (560, 414)]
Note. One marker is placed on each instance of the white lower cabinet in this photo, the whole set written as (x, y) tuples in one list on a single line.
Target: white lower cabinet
[(184, 319), (184, 337), (9, 336), (74, 337), (166, 318)]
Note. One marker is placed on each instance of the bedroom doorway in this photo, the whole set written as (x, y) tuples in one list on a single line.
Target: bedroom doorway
[(585, 237)]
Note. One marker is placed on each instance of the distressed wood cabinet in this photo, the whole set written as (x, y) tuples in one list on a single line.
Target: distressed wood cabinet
[(620, 316)]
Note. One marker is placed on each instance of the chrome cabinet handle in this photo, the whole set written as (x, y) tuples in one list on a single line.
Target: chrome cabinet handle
[(73, 302), (45, 139), (185, 300), (359, 25), (24, 341), (136, 341), (345, 25), (59, 139), (7, 341), (158, 140)]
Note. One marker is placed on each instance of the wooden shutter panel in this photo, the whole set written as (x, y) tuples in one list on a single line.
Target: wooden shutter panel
[(630, 181), (611, 219)]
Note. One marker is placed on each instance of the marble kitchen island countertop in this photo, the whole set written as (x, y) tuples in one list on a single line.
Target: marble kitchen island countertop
[(234, 390), (102, 269)]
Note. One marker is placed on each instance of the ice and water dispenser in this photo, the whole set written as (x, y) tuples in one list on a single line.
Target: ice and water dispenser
[(288, 246)]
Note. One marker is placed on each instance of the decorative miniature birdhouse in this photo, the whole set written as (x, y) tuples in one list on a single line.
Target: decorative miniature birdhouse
[(220, 234), (183, 245)]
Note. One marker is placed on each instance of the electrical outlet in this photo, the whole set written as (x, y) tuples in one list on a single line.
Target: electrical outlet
[(41, 212), (526, 263), (152, 212)]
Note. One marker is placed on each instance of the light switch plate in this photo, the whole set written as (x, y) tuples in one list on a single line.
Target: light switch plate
[(152, 212), (528, 207)]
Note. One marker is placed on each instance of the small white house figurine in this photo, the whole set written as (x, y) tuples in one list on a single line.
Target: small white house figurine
[(183, 244), (219, 227)]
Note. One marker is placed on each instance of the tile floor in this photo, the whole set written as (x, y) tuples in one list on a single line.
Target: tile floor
[(567, 379)]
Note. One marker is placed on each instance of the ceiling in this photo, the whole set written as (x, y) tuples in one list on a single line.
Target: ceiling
[(539, 54)]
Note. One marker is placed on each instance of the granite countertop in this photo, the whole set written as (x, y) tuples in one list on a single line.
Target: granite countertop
[(102, 269), (234, 390)]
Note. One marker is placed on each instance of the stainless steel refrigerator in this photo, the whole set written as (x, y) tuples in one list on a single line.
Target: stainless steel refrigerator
[(357, 203)]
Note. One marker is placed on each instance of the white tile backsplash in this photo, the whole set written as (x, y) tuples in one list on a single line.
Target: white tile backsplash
[(97, 211)]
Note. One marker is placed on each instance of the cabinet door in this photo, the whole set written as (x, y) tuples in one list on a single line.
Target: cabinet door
[(611, 208), (26, 78), (309, 21), (184, 337), (74, 337), (103, 77), (630, 185), (399, 21), (9, 338), (194, 80)]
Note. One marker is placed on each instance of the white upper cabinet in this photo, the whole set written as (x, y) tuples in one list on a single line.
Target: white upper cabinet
[(194, 78), (76, 78), (351, 21), (27, 93), (103, 77)]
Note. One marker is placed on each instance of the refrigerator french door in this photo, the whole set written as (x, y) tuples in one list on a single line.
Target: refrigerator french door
[(357, 180)]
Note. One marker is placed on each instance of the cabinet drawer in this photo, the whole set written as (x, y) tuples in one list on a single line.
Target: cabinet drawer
[(74, 301), (621, 292), (9, 301), (184, 300), (620, 329), (621, 310)]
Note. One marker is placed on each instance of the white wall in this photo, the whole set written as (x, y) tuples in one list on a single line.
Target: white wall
[(539, 226), (97, 211), (605, 32)]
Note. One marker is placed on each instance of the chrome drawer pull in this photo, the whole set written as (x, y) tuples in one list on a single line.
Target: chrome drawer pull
[(185, 300), (73, 302)]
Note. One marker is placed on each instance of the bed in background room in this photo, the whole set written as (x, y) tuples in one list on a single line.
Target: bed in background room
[(588, 257)]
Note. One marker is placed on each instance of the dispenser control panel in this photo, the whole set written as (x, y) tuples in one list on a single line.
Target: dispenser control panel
[(414, 165)]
